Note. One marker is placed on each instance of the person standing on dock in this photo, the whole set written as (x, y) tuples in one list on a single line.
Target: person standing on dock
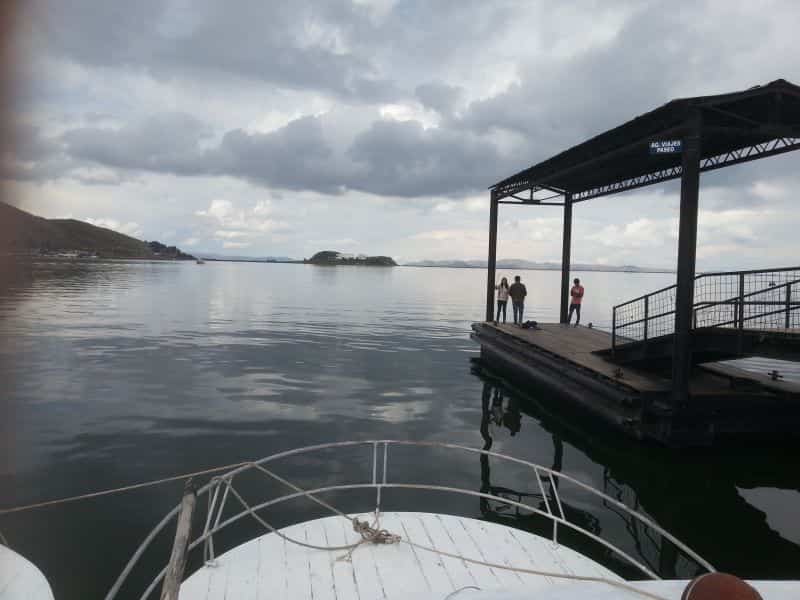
[(517, 292), (502, 299), (576, 297)]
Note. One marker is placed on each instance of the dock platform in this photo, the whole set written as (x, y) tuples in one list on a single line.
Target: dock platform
[(568, 363)]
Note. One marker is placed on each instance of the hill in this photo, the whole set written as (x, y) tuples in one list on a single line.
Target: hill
[(333, 258), (24, 233)]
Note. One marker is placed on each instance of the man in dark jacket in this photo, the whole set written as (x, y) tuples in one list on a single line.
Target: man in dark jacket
[(517, 292)]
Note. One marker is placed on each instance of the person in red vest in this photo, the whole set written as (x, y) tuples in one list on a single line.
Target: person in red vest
[(576, 297)]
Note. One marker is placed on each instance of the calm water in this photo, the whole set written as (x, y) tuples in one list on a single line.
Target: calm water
[(114, 373)]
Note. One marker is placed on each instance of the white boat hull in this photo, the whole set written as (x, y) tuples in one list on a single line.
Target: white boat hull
[(20, 579), (270, 567)]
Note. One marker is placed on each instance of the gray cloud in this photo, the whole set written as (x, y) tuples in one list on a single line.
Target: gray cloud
[(35, 156), (292, 44), (404, 159), (168, 142), (389, 157), (439, 96), (338, 48), (296, 156), (341, 102), (173, 143)]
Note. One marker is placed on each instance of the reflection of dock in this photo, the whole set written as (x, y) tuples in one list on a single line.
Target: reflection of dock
[(661, 484), (568, 361)]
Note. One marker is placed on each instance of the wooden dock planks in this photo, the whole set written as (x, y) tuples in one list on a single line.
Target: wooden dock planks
[(577, 345)]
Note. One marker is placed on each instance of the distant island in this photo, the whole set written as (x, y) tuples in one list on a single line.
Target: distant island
[(27, 234), (333, 258), (515, 263)]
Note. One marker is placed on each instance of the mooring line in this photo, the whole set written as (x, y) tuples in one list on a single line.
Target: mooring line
[(135, 486)]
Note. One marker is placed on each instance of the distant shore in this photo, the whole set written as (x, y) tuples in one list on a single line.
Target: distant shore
[(254, 260), (575, 268)]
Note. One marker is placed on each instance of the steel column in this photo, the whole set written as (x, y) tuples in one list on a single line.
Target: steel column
[(740, 322), (566, 242), (492, 261), (687, 250)]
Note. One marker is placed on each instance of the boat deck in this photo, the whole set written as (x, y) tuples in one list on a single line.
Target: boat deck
[(270, 567)]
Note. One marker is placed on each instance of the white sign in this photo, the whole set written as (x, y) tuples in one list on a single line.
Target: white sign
[(666, 147)]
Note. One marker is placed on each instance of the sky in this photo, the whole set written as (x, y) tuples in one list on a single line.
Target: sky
[(272, 128)]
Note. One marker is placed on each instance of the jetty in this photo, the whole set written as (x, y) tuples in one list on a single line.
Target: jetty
[(656, 374)]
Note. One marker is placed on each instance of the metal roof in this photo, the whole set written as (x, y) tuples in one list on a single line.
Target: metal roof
[(736, 127)]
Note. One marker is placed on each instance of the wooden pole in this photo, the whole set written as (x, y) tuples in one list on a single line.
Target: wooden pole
[(491, 263), (566, 248), (183, 531)]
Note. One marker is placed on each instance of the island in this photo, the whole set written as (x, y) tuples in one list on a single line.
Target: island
[(334, 258), (24, 234)]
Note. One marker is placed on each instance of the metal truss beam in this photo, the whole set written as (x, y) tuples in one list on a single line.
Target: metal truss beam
[(740, 155), (529, 203), (523, 186), (532, 200)]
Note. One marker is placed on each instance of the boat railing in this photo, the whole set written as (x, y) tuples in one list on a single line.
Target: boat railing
[(221, 491)]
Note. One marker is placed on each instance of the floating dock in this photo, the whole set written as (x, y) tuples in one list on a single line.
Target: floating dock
[(650, 376), (570, 364)]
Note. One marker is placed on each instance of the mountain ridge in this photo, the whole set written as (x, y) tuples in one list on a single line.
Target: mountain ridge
[(24, 233), (518, 263)]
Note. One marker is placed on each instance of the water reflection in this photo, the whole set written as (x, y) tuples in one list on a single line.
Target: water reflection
[(116, 372), (695, 495), (510, 416)]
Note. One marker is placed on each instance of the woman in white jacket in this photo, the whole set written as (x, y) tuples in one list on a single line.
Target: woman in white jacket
[(502, 298)]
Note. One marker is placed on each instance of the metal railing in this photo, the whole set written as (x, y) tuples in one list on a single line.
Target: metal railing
[(764, 300), (219, 491)]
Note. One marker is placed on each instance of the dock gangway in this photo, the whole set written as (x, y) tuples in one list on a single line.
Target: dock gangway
[(734, 314)]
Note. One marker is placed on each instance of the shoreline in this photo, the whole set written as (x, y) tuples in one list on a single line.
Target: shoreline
[(302, 262)]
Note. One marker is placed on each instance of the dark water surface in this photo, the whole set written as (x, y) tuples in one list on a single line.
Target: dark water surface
[(118, 372)]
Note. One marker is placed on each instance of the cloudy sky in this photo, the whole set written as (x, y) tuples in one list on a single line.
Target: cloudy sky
[(264, 127)]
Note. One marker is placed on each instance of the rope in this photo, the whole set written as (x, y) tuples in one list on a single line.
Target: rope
[(475, 561), (369, 533), (454, 593), (7, 511), (282, 535), (374, 534), (300, 490)]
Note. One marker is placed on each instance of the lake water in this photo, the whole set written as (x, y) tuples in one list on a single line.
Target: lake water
[(118, 372)]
